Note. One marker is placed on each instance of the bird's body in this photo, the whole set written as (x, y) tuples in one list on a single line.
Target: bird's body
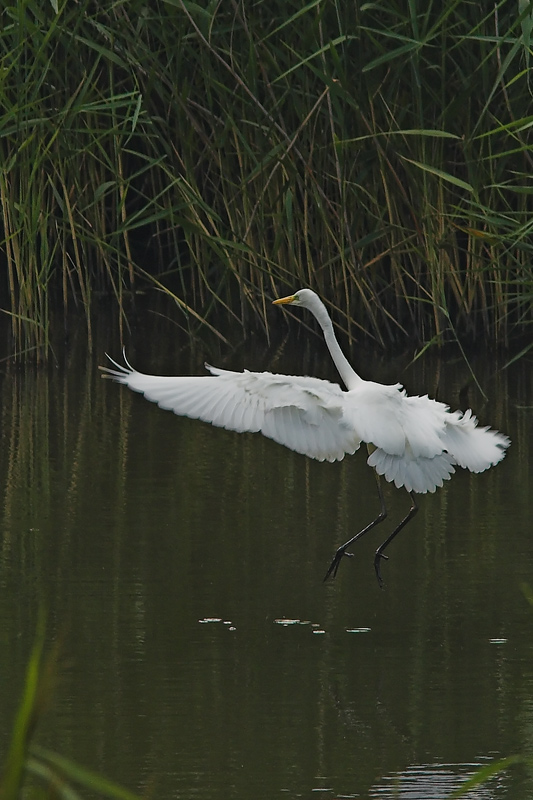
[(414, 442)]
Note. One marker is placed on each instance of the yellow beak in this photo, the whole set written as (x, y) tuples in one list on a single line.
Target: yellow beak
[(284, 300)]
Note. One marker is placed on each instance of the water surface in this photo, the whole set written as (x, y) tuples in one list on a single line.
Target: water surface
[(181, 567)]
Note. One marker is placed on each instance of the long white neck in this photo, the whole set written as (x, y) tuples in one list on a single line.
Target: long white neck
[(347, 373)]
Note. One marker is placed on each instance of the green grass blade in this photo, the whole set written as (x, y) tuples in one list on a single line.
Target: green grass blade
[(486, 773), (13, 773), (446, 176), (87, 778)]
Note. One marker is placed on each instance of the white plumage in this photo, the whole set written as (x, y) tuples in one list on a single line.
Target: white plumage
[(414, 442)]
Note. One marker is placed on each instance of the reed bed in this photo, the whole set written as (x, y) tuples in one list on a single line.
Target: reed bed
[(223, 153)]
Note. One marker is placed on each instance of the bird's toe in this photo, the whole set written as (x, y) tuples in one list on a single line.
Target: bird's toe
[(334, 566), (377, 566)]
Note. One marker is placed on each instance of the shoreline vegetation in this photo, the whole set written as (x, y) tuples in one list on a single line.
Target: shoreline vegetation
[(224, 154)]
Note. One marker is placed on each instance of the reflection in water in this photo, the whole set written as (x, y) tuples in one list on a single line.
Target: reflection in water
[(135, 528), (435, 782)]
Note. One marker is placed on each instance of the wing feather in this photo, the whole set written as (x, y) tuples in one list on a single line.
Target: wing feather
[(304, 414)]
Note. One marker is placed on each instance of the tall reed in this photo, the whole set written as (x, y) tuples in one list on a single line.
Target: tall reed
[(380, 153)]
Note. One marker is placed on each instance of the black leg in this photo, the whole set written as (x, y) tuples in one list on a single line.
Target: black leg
[(337, 558), (379, 552)]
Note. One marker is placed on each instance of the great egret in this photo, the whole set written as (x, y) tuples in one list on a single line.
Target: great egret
[(414, 442)]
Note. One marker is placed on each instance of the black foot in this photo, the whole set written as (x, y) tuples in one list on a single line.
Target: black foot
[(334, 566), (377, 566)]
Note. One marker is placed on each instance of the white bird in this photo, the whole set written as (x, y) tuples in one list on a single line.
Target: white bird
[(414, 442)]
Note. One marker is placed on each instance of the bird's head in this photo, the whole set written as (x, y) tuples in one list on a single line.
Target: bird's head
[(303, 297)]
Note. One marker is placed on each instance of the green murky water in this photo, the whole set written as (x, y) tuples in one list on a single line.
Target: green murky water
[(182, 569)]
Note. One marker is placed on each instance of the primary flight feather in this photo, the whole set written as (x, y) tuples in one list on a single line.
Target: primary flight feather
[(414, 442)]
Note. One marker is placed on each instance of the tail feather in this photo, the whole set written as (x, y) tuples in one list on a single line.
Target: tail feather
[(418, 474), (472, 447)]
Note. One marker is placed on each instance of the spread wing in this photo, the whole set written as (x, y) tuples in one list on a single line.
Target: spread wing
[(304, 414), (417, 441)]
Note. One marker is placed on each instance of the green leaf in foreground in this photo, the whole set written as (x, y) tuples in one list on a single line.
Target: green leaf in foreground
[(41, 766), (486, 773), (12, 776), (68, 769)]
